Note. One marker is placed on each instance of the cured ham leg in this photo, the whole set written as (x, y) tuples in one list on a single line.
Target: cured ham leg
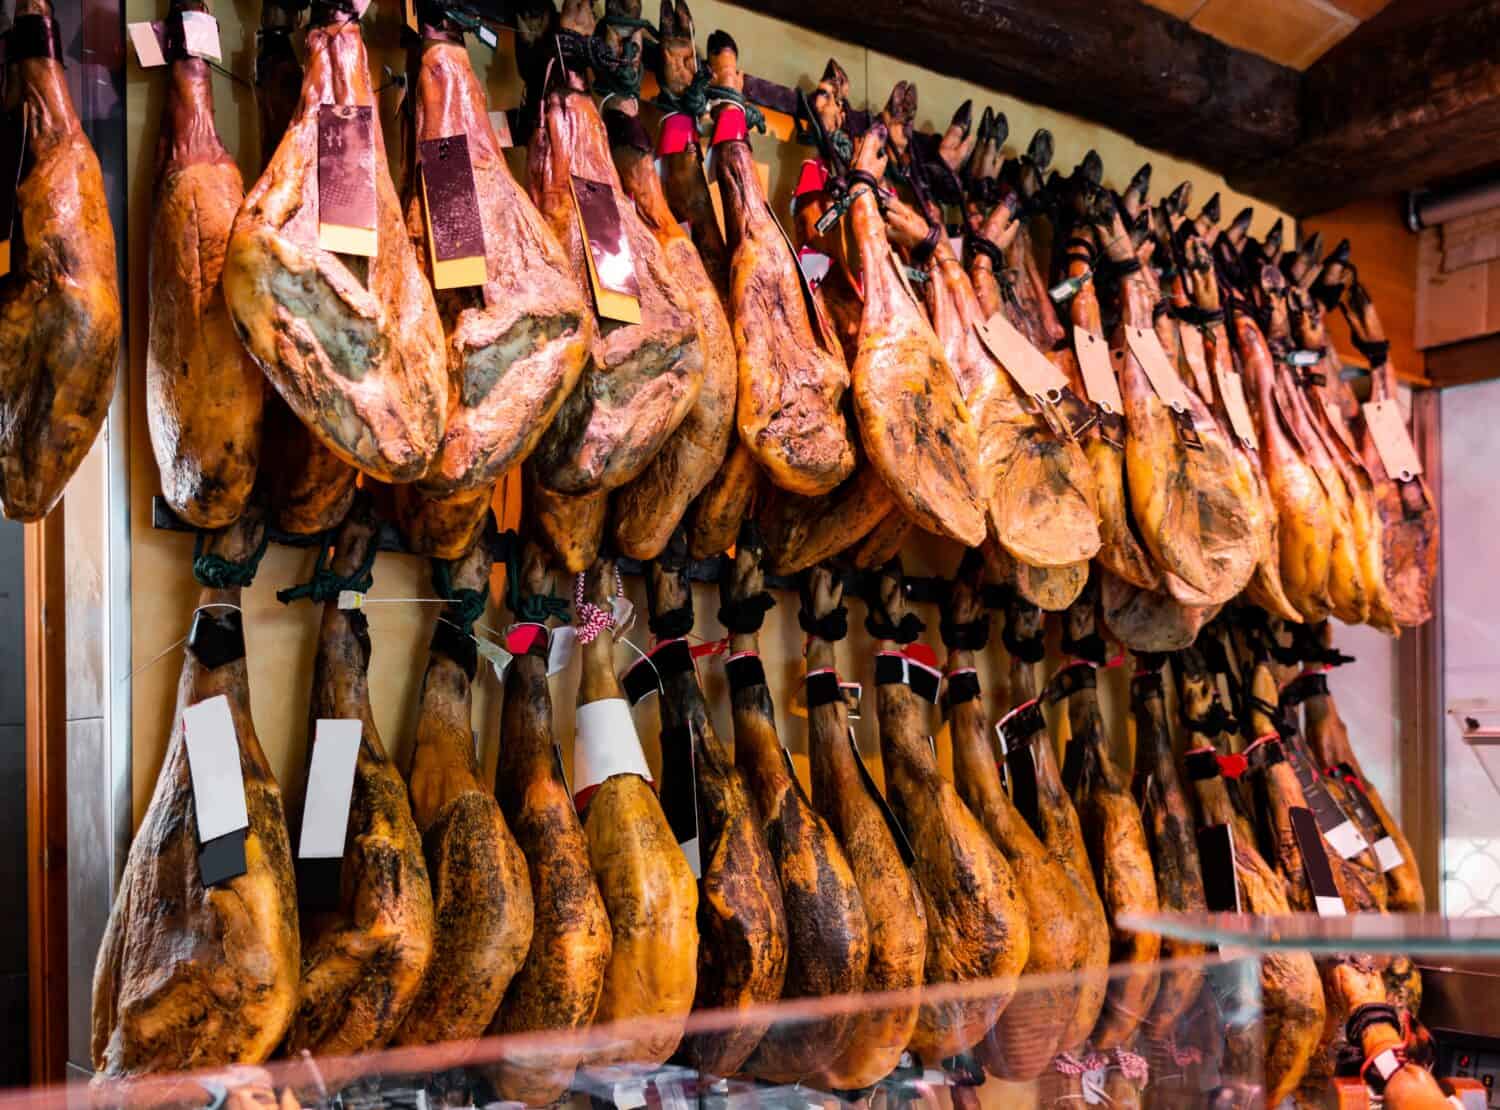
[(214, 982), (1174, 854), (557, 986), (1025, 1037), (791, 380), (571, 528), (481, 891), (204, 394), (976, 923), (913, 422), (715, 517), (827, 937), (311, 488), (643, 378), (1293, 1012), (803, 531), (354, 347), (363, 962), (1116, 837), (892, 901), (516, 344), (647, 511), (649, 892), (1056, 821), (742, 926), (60, 305)]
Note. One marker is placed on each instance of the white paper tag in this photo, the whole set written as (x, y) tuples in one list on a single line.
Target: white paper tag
[(1098, 373), (1092, 1082), (630, 1095), (1164, 379), (605, 744), (213, 753), (624, 614), (1329, 907), (500, 122), (148, 49), (1388, 854), (1232, 389), (330, 788), (200, 35), (1345, 839), (690, 852), (351, 599), (561, 650), (497, 656), (815, 265), (1392, 440)]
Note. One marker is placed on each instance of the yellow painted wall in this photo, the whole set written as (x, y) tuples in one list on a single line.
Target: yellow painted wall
[(281, 639)]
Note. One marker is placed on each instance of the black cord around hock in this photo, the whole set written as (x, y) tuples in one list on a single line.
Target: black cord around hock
[(672, 624), (965, 636), (746, 615), (922, 253), (909, 628), (978, 244), (1377, 351), (832, 626), (1371, 1013), (1032, 649)]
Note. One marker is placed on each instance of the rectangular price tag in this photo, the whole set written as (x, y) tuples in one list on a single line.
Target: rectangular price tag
[(346, 179), (1164, 379), (1388, 854), (1221, 887), (150, 41), (213, 753), (679, 792), (1232, 390), (1098, 374), (455, 233), (605, 744), (200, 35), (1027, 366), (617, 290), (330, 788), (1392, 440), (815, 265), (561, 649), (1319, 871)]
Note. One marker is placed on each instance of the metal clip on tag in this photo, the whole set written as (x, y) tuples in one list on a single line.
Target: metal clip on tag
[(1186, 429)]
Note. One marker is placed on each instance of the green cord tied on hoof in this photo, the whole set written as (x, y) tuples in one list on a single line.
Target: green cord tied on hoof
[(465, 606), (324, 585), (530, 608), (692, 101), (218, 573), (755, 119)]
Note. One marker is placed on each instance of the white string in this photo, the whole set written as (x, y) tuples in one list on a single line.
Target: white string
[(175, 644), (660, 689)]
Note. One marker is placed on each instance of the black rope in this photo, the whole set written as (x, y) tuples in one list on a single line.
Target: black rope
[(746, 615), (978, 244), (672, 624), (832, 626), (1377, 351), (903, 632), (965, 636), (324, 585), (1029, 650), (218, 573), (922, 253), (465, 606), (1198, 317)]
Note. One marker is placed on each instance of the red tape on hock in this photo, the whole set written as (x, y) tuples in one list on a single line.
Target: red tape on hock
[(678, 132)]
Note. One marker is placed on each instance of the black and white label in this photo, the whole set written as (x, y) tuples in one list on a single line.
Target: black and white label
[(1342, 834), (1315, 863), (213, 752), (560, 651), (1221, 887), (330, 788), (679, 791)]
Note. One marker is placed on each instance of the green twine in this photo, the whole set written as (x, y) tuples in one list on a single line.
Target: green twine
[(755, 119), (533, 608), (464, 606), (692, 101), (324, 585), (218, 573)]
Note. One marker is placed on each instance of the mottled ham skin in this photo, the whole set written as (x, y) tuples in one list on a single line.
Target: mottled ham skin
[(60, 306), (355, 347), (828, 937), (187, 976), (803, 531), (557, 986), (642, 379), (976, 922), (362, 963), (481, 892), (716, 516), (742, 924), (203, 392)]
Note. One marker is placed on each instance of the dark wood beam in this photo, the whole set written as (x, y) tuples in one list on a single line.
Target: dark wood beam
[(1473, 360), (1392, 109), (1116, 62)]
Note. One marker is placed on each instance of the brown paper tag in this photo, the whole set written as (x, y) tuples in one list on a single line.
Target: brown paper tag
[(455, 234), (1164, 379), (1392, 440), (346, 179), (1232, 390), (1027, 366), (617, 290), (1098, 375)]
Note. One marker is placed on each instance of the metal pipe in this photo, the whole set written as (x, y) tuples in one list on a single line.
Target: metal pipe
[(1425, 208)]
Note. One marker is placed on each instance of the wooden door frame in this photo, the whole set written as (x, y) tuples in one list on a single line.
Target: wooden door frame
[(47, 796)]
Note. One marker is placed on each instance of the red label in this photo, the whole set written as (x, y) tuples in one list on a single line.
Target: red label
[(921, 653), (730, 125), (678, 131), (812, 179), (520, 637)]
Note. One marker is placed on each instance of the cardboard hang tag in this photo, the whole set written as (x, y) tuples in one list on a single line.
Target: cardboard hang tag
[(1232, 390), (1398, 454), (611, 264), (153, 48), (1027, 366), (1099, 379), (815, 266), (346, 179), (330, 788), (1165, 381), (562, 649), (218, 785), (455, 232), (200, 35)]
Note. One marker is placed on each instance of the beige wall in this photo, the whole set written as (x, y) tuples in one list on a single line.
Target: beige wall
[(281, 639)]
